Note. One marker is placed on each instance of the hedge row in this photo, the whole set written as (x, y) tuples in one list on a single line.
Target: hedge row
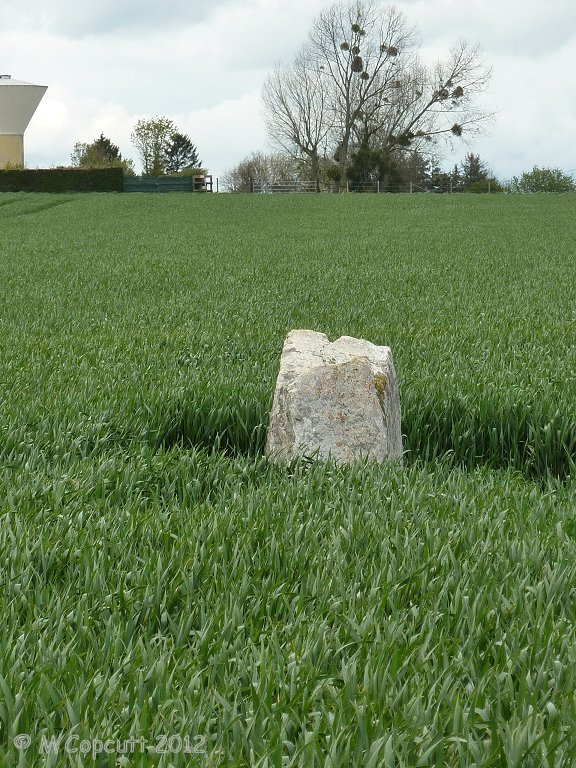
[(63, 180)]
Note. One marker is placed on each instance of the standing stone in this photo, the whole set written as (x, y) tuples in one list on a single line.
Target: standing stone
[(335, 400)]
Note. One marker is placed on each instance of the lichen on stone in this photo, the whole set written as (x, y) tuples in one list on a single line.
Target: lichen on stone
[(380, 384)]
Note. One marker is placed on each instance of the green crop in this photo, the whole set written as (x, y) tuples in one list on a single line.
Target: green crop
[(161, 578)]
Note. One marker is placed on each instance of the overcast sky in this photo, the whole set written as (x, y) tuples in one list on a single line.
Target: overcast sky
[(203, 62)]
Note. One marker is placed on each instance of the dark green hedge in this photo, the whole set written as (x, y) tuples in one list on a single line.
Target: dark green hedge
[(63, 180)]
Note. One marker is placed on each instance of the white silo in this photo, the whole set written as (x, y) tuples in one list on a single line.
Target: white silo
[(18, 102)]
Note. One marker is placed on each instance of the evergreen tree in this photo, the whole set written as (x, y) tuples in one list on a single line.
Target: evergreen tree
[(439, 180), (181, 154), (415, 170), (370, 167), (473, 170), (101, 153), (456, 179)]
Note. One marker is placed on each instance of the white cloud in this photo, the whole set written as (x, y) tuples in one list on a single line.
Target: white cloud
[(516, 27), (227, 131)]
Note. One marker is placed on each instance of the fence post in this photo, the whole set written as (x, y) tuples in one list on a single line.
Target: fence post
[(378, 186), (251, 184), (411, 190)]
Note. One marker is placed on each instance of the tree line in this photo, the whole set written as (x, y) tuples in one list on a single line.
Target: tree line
[(358, 109), (162, 148), (413, 170)]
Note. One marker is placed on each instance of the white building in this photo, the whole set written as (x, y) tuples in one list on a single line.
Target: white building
[(18, 102)]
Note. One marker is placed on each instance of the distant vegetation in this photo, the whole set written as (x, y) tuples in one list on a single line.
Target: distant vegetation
[(163, 150), (101, 153), (409, 171), (543, 180), (359, 110), (413, 172)]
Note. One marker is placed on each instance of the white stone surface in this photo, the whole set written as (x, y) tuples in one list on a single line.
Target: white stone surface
[(335, 400)]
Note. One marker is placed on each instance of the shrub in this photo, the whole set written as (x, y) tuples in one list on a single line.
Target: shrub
[(63, 180), (543, 180), (485, 185)]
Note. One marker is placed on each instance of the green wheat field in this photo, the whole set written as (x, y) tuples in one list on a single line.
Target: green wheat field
[(162, 582)]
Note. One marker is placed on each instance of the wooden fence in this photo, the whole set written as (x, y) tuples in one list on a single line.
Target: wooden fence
[(287, 187), (291, 187)]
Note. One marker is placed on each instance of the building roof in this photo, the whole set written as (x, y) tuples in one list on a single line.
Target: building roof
[(9, 80)]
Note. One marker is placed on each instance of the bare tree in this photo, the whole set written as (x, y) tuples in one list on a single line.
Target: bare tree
[(295, 111), (261, 170), (358, 84), (358, 45)]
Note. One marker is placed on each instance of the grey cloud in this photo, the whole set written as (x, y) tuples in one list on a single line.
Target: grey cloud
[(112, 17)]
